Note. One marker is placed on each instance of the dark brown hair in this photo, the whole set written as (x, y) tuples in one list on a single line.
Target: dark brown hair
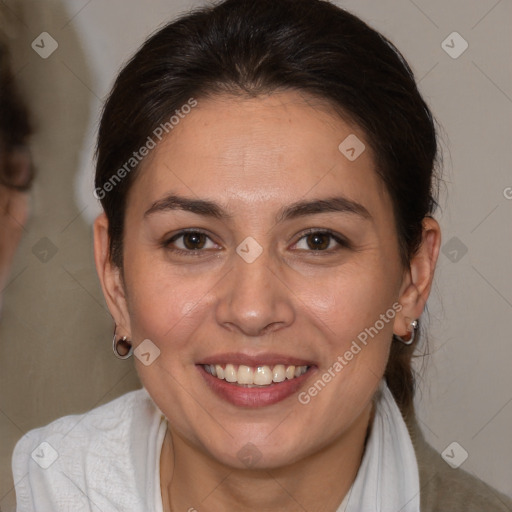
[(247, 47), (15, 128)]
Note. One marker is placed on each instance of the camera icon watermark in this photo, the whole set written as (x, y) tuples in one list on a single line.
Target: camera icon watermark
[(45, 455), (454, 455), (44, 250), (352, 147), (249, 454), (147, 352), (44, 45), (454, 249), (249, 250), (454, 45)]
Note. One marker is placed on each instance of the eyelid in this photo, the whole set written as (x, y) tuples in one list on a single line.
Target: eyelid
[(168, 240), (338, 238)]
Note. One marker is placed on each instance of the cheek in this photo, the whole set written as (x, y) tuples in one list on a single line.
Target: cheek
[(352, 297), (163, 301), (353, 308)]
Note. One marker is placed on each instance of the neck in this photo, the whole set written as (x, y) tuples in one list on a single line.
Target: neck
[(191, 479)]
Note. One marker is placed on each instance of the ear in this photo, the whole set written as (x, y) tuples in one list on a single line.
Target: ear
[(110, 277), (418, 278)]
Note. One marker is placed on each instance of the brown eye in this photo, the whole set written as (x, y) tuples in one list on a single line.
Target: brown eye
[(194, 240), (321, 241), (318, 241), (189, 243)]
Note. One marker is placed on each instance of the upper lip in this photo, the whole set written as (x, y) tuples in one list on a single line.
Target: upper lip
[(268, 359)]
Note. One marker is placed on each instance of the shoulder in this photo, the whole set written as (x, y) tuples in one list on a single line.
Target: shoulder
[(90, 457), (445, 488)]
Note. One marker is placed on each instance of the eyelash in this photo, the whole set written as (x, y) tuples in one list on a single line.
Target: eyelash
[(343, 243)]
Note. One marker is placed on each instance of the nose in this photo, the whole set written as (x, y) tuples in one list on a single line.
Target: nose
[(254, 299)]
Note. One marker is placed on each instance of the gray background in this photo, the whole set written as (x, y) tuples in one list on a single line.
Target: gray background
[(55, 334)]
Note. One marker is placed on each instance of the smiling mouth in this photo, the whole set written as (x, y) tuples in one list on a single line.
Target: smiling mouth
[(255, 376)]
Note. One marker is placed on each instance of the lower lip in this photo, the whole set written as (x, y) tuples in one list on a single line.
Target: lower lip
[(254, 397)]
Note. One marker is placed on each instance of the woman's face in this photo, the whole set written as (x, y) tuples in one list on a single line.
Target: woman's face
[(258, 282)]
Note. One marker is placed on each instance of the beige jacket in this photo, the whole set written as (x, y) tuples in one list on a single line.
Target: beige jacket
[(443, 489)]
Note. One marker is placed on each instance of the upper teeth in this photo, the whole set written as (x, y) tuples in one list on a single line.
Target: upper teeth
[(259, 375)]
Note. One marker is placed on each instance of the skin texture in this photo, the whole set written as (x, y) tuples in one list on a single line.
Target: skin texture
[(253, 157)]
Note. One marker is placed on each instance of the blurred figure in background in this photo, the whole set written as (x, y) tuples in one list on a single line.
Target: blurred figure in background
[(16, 170)]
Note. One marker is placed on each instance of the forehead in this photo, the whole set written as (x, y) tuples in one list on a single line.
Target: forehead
[(266, 150)]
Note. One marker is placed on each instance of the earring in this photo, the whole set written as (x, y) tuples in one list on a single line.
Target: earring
[(414, 326), (125, 344)]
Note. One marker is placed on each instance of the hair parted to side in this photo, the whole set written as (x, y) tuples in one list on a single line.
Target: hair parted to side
[(243, 47)]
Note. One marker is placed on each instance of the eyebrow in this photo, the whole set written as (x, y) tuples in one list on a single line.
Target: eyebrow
[(295, 210)]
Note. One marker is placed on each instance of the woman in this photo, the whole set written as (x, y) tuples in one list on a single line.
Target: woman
[(267, 247)]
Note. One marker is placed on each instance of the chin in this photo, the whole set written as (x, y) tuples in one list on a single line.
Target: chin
[(266, 449)]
